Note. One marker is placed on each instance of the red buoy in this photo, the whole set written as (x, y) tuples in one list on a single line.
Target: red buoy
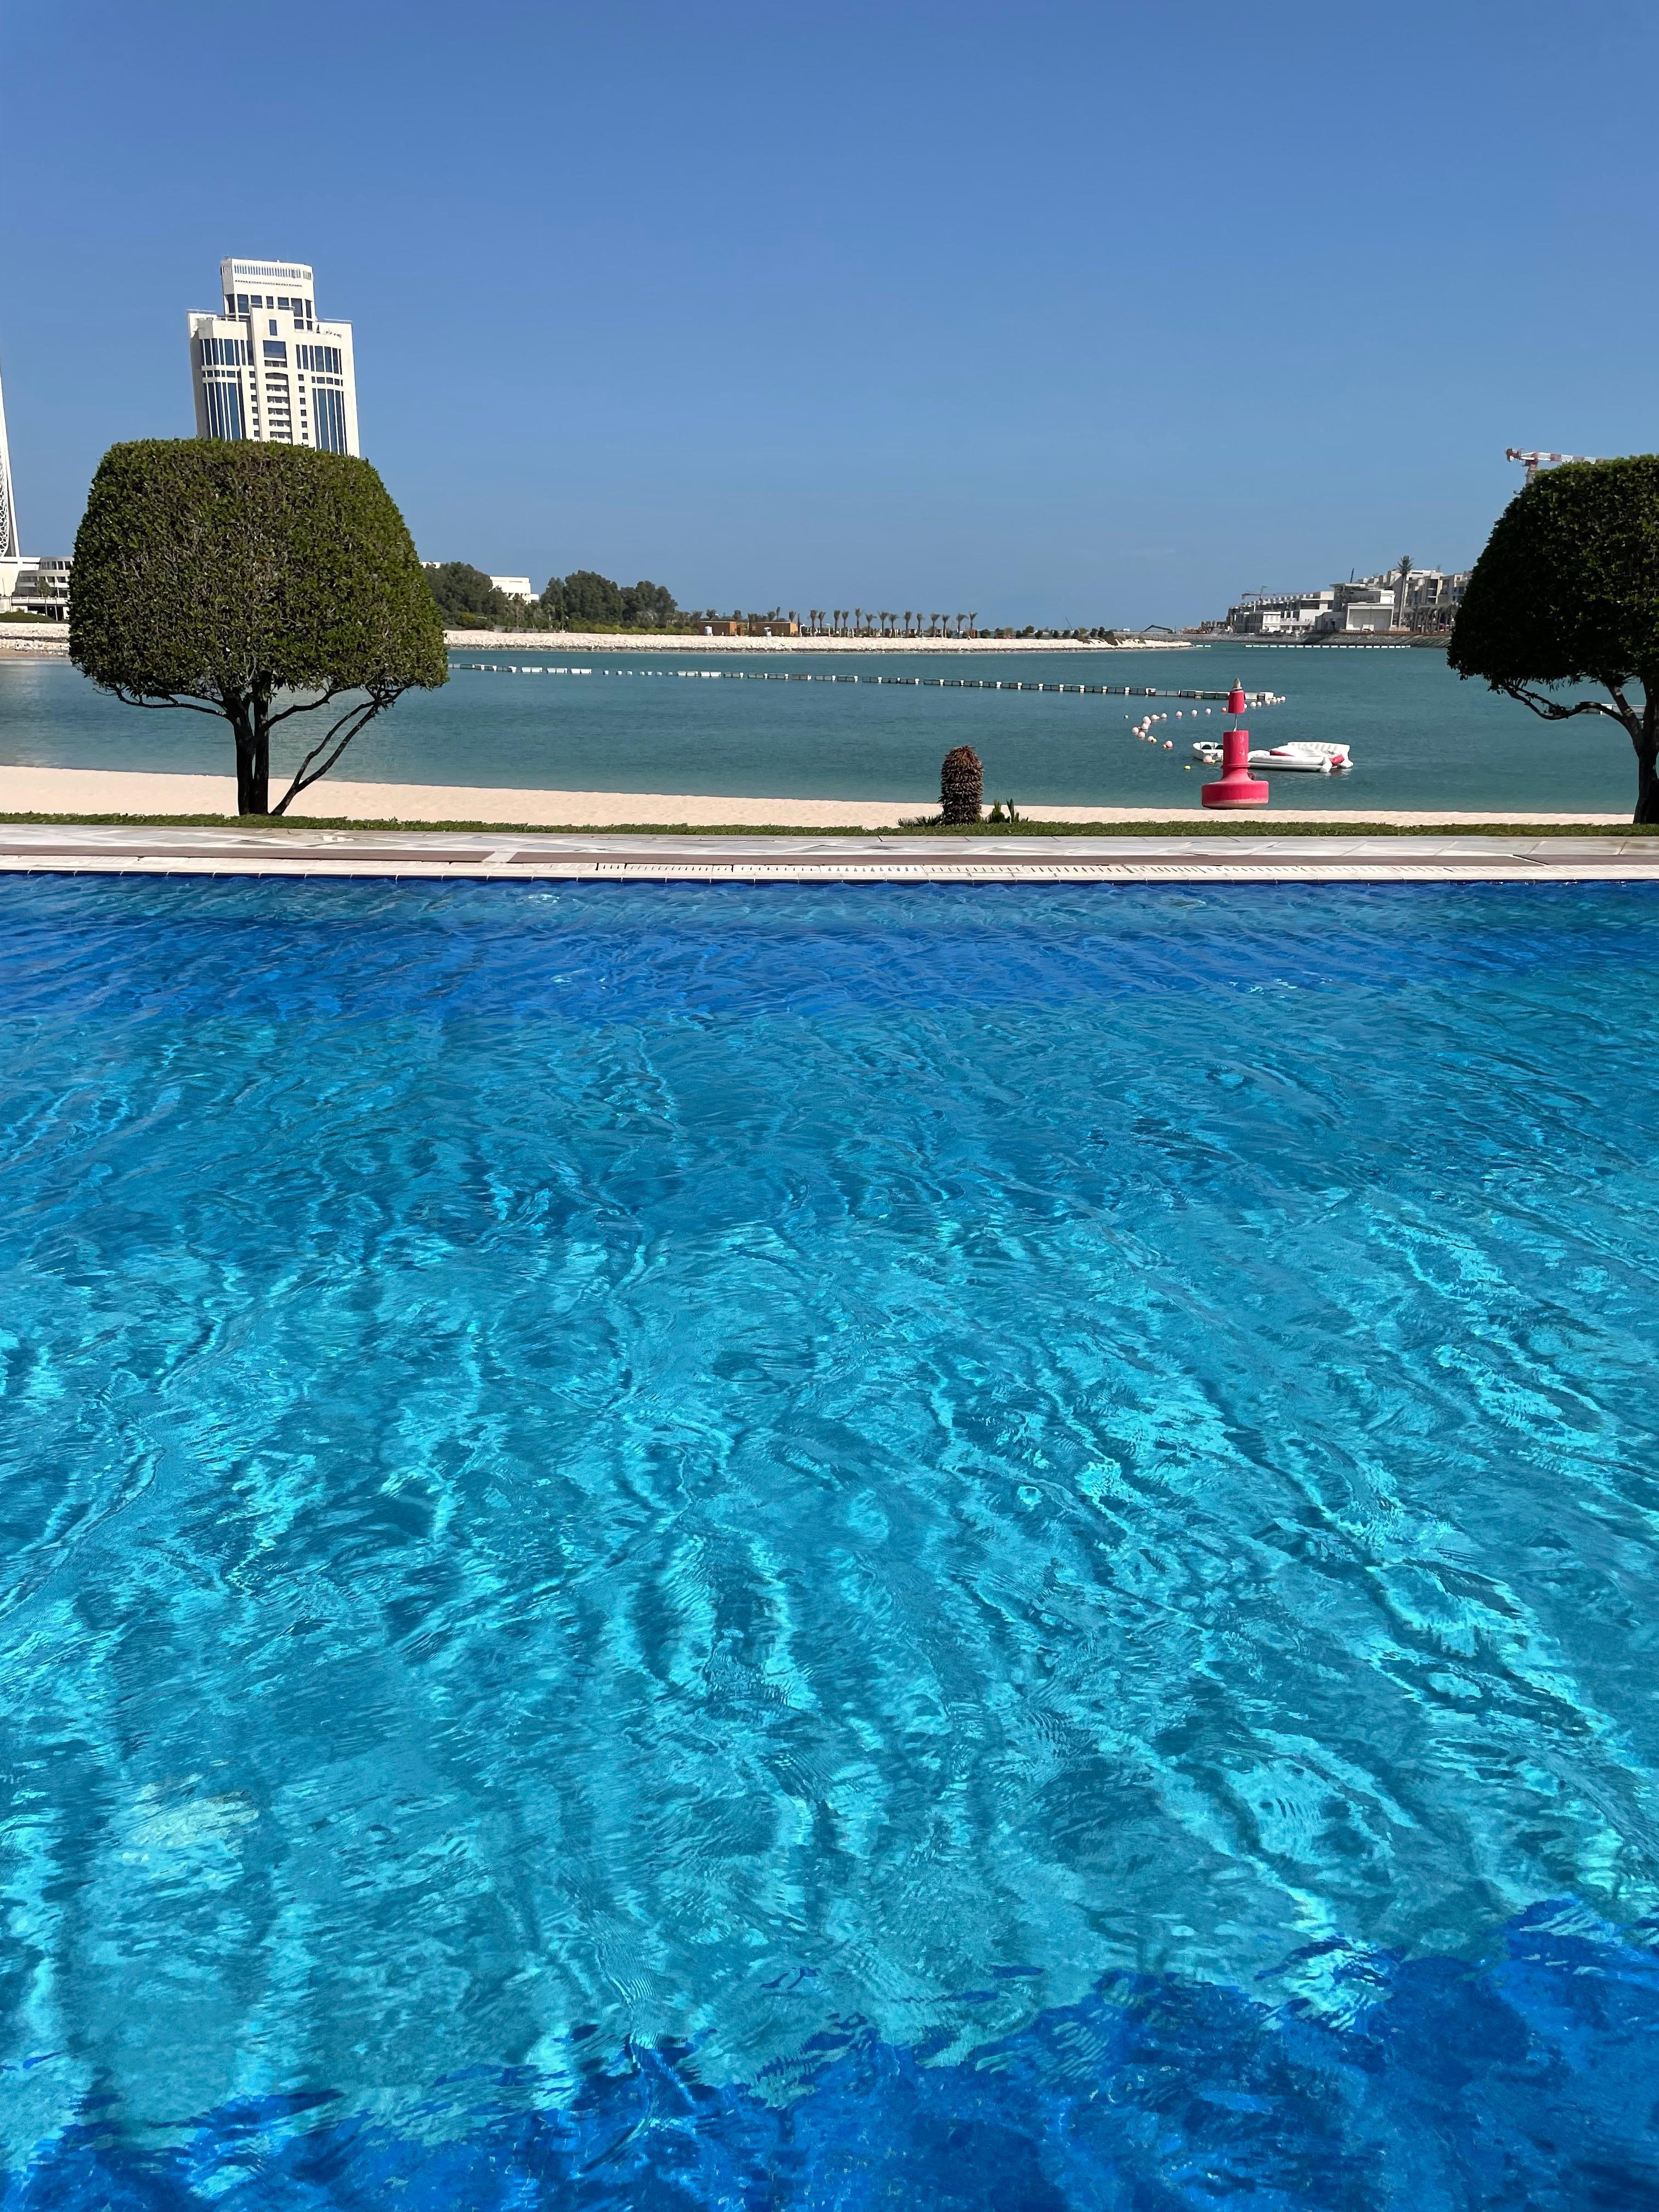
[(1236, 786)]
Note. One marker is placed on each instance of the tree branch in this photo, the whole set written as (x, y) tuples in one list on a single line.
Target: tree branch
[(135, 699), (1552, 710), (310, 705), (358, 718)]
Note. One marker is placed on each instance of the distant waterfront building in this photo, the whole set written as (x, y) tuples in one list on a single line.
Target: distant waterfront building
[(1421, 600), (515, 587), (266, 368), (1278, 614), (1432, 599)]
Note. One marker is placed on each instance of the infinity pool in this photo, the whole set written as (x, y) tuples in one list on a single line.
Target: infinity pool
[(669, 1546)]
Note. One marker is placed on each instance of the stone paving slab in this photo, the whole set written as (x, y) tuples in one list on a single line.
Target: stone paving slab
[(1254, 857)]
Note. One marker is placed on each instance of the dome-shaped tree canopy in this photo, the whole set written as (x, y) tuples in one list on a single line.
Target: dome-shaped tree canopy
[(230, 576), (1567, 592)]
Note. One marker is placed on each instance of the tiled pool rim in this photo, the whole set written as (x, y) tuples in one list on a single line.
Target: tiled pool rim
[(1259, 856)]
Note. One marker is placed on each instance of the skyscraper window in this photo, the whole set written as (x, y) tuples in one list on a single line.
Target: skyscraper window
[(328, 415), (224, 408)]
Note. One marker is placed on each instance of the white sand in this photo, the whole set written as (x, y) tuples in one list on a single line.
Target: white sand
[(81, 791)]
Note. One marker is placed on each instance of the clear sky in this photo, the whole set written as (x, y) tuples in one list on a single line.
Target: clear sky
[(1053, 312)]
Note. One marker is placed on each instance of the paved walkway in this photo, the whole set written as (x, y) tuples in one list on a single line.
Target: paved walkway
[(440, 855)]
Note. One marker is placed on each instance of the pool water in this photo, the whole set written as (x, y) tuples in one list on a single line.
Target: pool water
[(828, 1547)]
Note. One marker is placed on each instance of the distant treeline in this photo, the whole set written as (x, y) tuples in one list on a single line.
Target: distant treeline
[(583, 600)]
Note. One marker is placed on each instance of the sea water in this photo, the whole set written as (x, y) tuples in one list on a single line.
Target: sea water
[(705, 1546), (1420, 737)]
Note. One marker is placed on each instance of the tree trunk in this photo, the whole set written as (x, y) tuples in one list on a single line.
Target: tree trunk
[(1647, 783), (250, 718), (1645, 738)]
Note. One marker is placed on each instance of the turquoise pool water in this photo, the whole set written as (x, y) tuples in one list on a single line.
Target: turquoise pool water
[(678, 1546)]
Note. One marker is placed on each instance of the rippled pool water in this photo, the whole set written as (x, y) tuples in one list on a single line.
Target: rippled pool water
[(690, 1547)]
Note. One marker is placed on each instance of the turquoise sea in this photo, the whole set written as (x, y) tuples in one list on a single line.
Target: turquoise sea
[(712, 1549), (1421, 738)]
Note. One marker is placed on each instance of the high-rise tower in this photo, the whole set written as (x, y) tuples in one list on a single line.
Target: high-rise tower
[(8, 503), (266, 368)]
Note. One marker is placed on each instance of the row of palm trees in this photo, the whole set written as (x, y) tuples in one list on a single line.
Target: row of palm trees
[(856, 622)]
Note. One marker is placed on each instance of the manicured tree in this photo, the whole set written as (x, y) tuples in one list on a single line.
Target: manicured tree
[(961, 786), (1567, 592), (256, 583)]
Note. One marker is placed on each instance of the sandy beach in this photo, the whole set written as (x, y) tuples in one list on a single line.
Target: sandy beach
[(86, 791)]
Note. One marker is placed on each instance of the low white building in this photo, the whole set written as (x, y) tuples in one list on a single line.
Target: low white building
[(1358, 607), (1278, 614), (268, 368), (36, 586), (516, 587), (1419, 600), (1432, 599)]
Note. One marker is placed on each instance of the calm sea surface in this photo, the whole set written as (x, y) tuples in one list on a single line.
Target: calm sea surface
[(1421, 738), (699, 1549)]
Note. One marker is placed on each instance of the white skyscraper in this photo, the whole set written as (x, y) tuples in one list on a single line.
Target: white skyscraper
[(266, 368), (8, 504)]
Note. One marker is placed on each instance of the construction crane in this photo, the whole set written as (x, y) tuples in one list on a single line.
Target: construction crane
[(1536, 461)]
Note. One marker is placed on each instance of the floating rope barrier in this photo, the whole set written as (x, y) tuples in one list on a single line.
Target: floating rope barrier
[(911, 682)]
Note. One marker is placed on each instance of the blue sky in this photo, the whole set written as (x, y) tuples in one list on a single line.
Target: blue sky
[(1052, 314)]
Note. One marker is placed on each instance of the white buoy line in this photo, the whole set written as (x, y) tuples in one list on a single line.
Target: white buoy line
[(912, 683)]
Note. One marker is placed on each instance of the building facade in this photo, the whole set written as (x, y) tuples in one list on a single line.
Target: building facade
[(1278, 614), (267, 369), (1414, 599), (1433, 599)]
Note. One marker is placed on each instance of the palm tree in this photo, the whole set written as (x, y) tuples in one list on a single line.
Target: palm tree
[(1400, 592), (906, 622), (973, 625)]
